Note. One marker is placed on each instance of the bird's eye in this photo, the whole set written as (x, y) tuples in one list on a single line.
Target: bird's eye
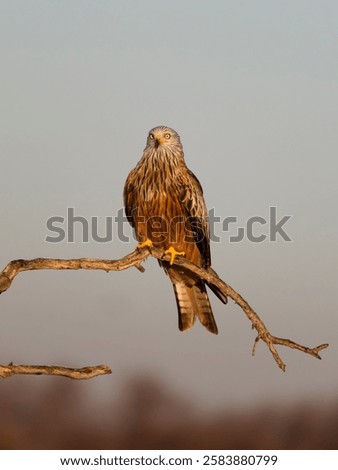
[(151, 136), (167, 136)]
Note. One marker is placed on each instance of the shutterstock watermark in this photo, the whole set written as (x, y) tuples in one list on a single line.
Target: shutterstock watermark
[(257, 229)]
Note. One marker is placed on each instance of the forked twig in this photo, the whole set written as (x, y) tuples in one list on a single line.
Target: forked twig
[(135, 259)]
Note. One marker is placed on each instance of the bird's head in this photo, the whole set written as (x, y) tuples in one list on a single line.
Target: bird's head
[(163, 137)]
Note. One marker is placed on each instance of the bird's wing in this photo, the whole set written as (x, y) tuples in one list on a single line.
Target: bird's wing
[(193, 205), (129, 197), (194, 208)]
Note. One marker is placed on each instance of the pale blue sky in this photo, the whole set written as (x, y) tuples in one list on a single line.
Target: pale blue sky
[(252, 88)]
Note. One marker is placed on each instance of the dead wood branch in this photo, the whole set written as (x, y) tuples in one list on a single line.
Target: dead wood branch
[(135, 259), (84, 373)]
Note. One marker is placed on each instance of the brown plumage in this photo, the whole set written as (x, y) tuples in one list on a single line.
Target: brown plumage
[(165, 205)]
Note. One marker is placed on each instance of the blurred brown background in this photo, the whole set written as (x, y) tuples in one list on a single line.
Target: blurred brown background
[(150, 415)]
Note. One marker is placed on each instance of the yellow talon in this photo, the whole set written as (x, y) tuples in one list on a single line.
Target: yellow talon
[(147, 243), (173, 253)]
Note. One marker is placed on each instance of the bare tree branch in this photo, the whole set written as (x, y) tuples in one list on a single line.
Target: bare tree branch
[(84, 373), (135, 259)]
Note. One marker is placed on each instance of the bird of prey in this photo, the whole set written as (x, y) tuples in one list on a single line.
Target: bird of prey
[(164, 204)]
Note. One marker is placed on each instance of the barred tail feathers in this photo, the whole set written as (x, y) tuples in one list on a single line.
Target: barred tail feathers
[(204, 311), (192, 300)]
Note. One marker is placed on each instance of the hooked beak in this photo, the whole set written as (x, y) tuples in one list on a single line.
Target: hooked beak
[(158, 141)]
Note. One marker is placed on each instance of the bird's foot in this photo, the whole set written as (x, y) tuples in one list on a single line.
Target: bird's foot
[(173, 253), (148, 243)]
